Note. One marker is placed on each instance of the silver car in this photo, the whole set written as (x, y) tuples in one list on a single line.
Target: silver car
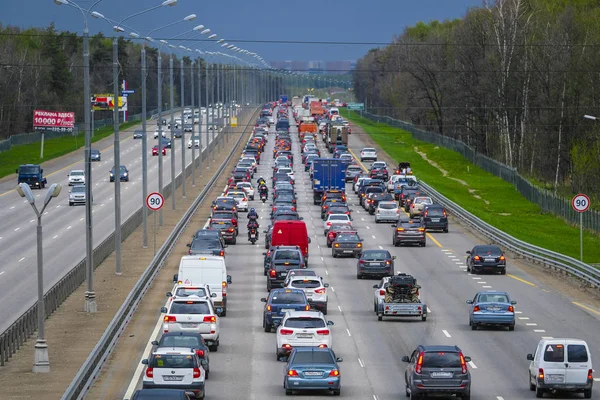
[(77, 195), (352, 171), (387, 211)]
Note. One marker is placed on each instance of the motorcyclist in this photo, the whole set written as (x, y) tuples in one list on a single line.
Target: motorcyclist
[(252, 214), (252, 225), (263, 190), (261, 181)]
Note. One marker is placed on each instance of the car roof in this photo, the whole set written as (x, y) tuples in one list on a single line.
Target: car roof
[(176, 350), (306, 349), (282, 290), (305, 314), (440, 348)]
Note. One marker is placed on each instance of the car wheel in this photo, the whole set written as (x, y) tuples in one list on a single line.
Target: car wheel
[(234, 241), (470, 322), (374, 307), (70, 203), (531, 385), (466, 396), (266, 326), (289, 392), (587, 393), (328, 244), (406, 390), (414, 396), (511, 327), (539, 393), (337, 392), (324, 310), (446, 230), (468, 268), (423, 244), (333, 254), (213, 348), (224, 313), (503, 272), (358, 276), (473, 326)]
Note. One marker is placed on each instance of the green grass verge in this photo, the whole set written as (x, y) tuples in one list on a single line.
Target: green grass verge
[(53, 148), (500, 204)]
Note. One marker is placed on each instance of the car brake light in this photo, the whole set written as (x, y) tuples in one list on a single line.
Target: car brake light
[(286, 331), (273, 273), (222, 253), (541, 373), (334, 372), (292, 372), (511, 309), (590, 374), (320, 291), (150, 372), (324, 332), (476, 309), (244, 199), (230, 230), (329, 224), (476, 258), (196, 373), (359, 245), (388, 263), (419, 366), (200, 353), (463, 364), (210, 318), (502, 258), (170, 318), (382, 292)]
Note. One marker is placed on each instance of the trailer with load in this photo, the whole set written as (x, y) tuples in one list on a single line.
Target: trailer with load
[(402, 299)]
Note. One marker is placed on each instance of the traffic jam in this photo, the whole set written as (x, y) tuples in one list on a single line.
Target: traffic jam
[(311, 149)]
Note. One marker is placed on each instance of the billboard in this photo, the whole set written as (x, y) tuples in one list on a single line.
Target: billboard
[(57, 121), (104, 102)]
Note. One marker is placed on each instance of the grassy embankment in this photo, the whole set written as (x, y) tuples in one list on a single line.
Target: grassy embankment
[(483, 194), (53, 148)]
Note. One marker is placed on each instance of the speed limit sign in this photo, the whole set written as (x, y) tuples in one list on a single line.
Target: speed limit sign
[(580, 203), (155, 201)]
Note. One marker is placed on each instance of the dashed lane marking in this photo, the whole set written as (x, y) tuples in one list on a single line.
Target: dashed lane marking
[(380, 247), (12, 207), (487, 287), (499, 398), (21, 259), (368, 227), (475, 277), (374, 237), (326, 272), (348, 332), (322, 259), (472, 364), (547, 337), (531, 324), (445, 332), (361, 363), (32, 220), (16, 229), (340, 308), (483, 282), (539, 330), (524, 318)]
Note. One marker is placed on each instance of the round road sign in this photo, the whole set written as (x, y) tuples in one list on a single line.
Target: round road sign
[(155, 201), (580, 203)]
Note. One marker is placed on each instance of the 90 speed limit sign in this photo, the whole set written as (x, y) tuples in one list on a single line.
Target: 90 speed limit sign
[(155, 201), (580, 203)]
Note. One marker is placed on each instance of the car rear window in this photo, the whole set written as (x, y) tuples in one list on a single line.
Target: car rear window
[(554, 353), (185, 292), (347, 237), (379, 255), (488, 249), (180, 341), (304, 323), (287, 255), (305, 284), (441, 359), (210, 244), (388, 206), (338, 217), (374, 189), (435, 212), (313, 357), (172, 361), (189, 307), (238, 195), (288, 298), (577, 353), (221, 225)]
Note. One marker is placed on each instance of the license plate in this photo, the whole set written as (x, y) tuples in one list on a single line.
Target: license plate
[(348, 251), (252, 236), (555, 378), (304, 336), (441, 374), (171, 378), (374, 264), (435, 220), (283, 310), (490, 259), (189, 325), (313, 374), (493, 308)]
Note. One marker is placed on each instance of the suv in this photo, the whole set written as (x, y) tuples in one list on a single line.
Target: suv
[(440, 370), (199, 316), (303, 329), (225, 227), (279, 302), (407, 195), (175, 368), (435, 217), (375, 198), (412, 231), (279, 261), (314, 289), (188, 340)]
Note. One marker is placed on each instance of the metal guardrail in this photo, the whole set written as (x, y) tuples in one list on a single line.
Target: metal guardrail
[(529, 251), (92, 365), (19, 331)]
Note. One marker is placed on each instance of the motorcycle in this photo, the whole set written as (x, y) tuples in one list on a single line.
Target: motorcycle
[(252, 235), (263, 197)]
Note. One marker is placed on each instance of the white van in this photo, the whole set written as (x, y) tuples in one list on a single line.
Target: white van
[(561, 365), (209, 270)]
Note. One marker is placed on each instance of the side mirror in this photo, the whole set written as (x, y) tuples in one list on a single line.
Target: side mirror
[(309, 240), (189, 245), (42, 170), (154, 342), (513, 302), (339, 359), (330, 323), (169, 294), (17, 171), (229, 279), (301, 219), (326, 285), (175, 277), (213, 295), (405, 358), (467, 359), (264, 254), (375, 286), (468, 251), (469, 302), (394, 257), (145, 361), (530, 357), (264, 300), (163, 310), (394, 225)]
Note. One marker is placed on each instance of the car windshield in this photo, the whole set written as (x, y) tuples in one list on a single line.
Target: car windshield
[(347, 237), (305, 283), (206, 244), (313, 357), (338, 217), (180, 341), (185, 292), (189, 307), (305, 323), (441, 359), (29, 170), (78, 189), (287, 255), (172, 361), (288, 298), (488, 250), (388, 206), (375, 255)]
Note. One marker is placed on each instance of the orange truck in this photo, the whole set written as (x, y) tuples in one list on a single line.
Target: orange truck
[(307, 127), (316, 108)]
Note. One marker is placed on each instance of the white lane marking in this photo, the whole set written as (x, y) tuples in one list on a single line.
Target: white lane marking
[(531, 324), (1, 272), (447, 251), (596, 379), (357, 211), (499, 398), (539, 330), (32, 220), (21, 259), (380, 247), (1, 237), (445, 332), (16, 229), (518, 312), (487, 287), (12, 207), (332, 289), (475, 277), (55, 236), (524, 318), (374, 237), (58, 206), (340, 308), (547, 337), (361, 363), (452, 256), (368, 227), (348, 332), (462, 266), (322, 259), (81, 219), (362, 219), (375, 397), (482, 282), (326, 272), (46, 213), (472, 364), (69, 227)]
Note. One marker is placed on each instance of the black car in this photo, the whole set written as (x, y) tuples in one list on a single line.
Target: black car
[(330, 203), (123, 174), (365, 193), (346, 244), (407, 195), (486, 258), (224, 203), (280, 261), (375, 263), (409, 232), (226, 228), (376, 198), (437, 370), (379, 173), (160, 394), (95, 155), (282, 177), (206, 245), (285, 215), (435, 217), (192, 340)]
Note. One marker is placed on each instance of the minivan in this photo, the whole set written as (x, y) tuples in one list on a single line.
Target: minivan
[(291, 233), (209, 270), (561, 365)]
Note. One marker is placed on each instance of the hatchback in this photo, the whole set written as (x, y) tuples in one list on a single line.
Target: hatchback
[(312, 368), (411, 232), (175, 368)]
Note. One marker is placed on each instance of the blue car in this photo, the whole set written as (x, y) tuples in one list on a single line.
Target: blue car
[(312, 368), (279, 302), (123, 174), (492, 308)]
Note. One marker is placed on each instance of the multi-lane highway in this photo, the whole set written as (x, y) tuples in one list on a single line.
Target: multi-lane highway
[(64, 225), (245, 365)]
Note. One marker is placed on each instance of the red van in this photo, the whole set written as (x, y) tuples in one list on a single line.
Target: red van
[(291, 233)]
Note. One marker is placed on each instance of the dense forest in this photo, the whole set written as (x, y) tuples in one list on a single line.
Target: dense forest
[(512, 79)]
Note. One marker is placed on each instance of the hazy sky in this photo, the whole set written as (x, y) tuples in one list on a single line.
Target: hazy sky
[(349, 21)]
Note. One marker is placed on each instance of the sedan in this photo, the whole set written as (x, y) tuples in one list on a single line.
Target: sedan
[(377, 263), (155, 151), (336, 219), (387, 211), (411, 232), (352, 171), (335, 230), (492, 308), (346, 244), (95, 155), (486, 258), (247, 188), (123, 174), (139, 134), (312, 368), (368, 153)]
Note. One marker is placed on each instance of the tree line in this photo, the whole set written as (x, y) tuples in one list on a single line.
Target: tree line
[(513, 79)]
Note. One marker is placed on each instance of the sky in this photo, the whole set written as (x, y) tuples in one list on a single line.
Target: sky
[(250, 24)]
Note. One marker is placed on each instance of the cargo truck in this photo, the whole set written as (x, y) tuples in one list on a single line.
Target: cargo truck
[(328, 174), (31, 174), (337, 134)]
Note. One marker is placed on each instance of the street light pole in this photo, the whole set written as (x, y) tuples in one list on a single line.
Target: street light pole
[(192, 138), (144, 151), (200, 111), (207, 105), (183, 175), (117, 154), (160, 136), (172, 105)]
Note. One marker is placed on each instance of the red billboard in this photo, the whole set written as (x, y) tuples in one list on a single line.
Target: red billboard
[(53, 120)]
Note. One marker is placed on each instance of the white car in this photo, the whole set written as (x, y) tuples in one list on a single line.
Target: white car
[(164, 134), (336, 219), (195, 141), (368, 153), (314, 289), (288, 171), (301, 329), (76, 177), (391, 183), (175, 368), (292, 273), (379, 164), (379, 294), (355, 184), (247, 188), (183, 291), (240, 198), (271, 120), (193, 314), (418, 205), (387, 211)]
